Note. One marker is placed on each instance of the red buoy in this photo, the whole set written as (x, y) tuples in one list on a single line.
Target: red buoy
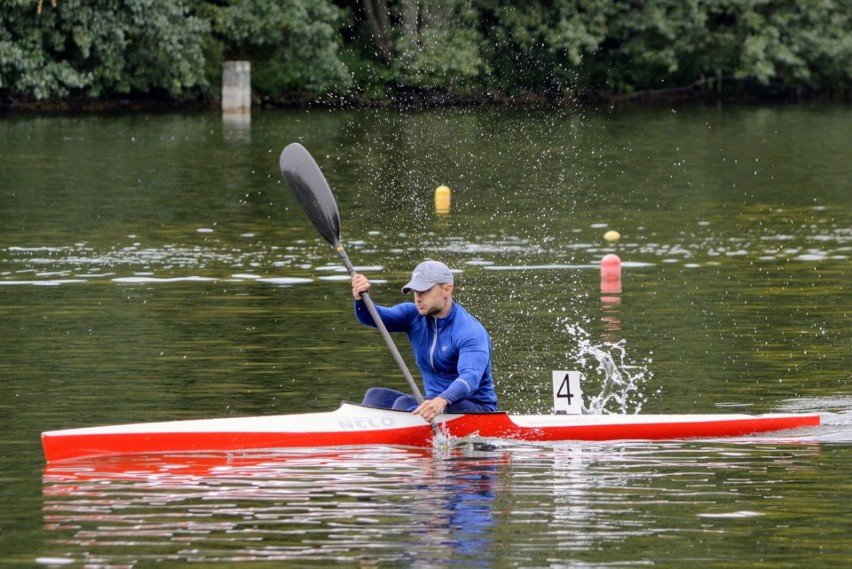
[(611, 274)]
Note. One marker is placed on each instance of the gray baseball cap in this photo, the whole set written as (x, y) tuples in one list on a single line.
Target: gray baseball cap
[(426, 275)]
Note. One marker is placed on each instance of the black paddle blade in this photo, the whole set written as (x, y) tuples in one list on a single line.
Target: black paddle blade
[(300, 171)]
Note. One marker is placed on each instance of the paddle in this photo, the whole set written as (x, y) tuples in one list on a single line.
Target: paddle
[(303, 175)]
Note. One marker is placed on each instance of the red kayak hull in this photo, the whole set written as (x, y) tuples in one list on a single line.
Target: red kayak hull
[(356, 425)]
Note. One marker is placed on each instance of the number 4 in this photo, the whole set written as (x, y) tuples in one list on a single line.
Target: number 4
[(564, 390), (567, 394)]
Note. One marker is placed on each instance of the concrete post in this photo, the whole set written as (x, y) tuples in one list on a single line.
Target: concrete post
[(236, 87)]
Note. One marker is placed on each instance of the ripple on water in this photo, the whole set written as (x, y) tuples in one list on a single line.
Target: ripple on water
[(690, 249), (356, 503)]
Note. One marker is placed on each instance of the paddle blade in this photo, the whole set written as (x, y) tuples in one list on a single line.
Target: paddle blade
[(303, 175)]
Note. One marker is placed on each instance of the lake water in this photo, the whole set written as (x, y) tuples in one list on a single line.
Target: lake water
[(154, 267)]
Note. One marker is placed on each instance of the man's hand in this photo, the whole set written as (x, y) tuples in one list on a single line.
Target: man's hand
[(360, 284), (431, 408)]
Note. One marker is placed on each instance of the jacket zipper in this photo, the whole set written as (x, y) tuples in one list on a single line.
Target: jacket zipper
[(434, 343)]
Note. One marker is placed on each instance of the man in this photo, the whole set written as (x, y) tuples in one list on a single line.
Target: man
[(451, 348)]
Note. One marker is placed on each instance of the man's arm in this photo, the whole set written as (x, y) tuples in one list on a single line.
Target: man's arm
[(396, 319)]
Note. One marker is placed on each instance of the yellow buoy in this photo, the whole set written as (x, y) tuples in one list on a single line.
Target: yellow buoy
[(442, 199), (612, 236)]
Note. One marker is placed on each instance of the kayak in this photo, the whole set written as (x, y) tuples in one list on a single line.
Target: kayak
[(353, 424)]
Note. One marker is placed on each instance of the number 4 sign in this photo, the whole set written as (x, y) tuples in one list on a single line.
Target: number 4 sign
[(567, 396)]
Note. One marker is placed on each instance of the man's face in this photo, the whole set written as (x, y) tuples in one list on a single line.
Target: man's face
[(435, 301)]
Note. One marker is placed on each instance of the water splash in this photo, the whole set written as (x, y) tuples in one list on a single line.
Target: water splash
[(622, 381), (441, 440)]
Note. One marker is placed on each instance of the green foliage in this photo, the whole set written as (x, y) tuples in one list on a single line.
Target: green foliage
[(474, 48), (805, 43), (100, 49), (543, 47), (621, 46), (655, 46), (293, 44), (443, 52)]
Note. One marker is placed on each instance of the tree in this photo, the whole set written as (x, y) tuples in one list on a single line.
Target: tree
[(802, 44), (544, 47), (301, 49), (293, 44), (100, 49), (427, 44), (621, 46)]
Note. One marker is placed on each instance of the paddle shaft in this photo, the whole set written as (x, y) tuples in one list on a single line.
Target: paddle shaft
[(371, 307)]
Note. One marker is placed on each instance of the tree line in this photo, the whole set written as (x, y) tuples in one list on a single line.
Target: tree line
[(365, 51)]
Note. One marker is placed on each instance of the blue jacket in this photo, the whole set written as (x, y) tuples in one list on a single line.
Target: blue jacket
[(452, 353)]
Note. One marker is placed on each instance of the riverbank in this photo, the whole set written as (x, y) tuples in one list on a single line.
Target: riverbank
[(699, 92)]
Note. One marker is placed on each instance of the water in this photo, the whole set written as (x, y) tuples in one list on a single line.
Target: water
[(154, 267), (514, 506)]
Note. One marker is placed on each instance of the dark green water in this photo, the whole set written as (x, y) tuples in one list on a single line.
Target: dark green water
[(154, 267)]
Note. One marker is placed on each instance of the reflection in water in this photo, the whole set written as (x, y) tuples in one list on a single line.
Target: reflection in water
[(622, 495), (611, 309), (236, 127), (369, 504), (477, 504), (611, 296)]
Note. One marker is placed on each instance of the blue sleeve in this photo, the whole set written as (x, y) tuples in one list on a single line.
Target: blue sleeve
[(396, 318), (474, 355)]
